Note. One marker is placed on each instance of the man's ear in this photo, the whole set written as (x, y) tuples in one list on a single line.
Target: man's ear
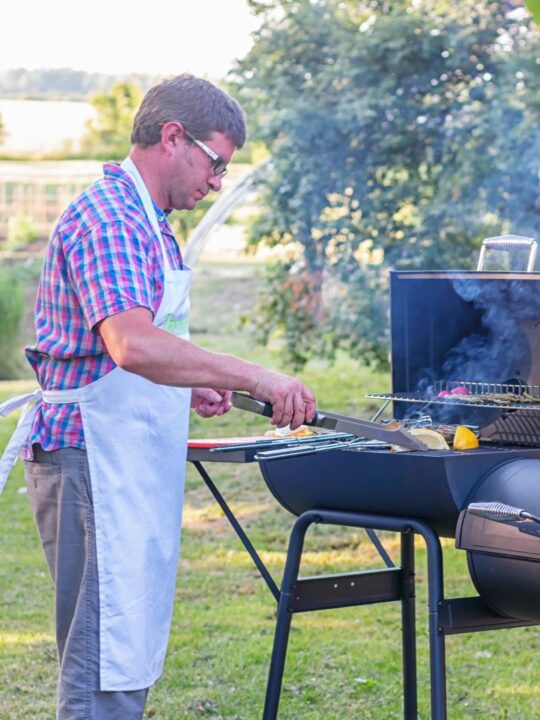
[(171, 134)]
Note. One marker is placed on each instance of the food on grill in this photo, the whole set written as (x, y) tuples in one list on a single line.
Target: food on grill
[(460, 390), (302, 431), (433, 439), (464, 439), (505, 398)]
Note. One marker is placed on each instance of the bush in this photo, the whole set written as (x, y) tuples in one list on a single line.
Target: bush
[(11, 313), (21, 231)]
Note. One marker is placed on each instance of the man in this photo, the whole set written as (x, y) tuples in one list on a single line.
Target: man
[(106, 441)]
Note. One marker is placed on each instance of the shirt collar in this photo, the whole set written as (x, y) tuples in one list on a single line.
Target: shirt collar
[(115, 171)]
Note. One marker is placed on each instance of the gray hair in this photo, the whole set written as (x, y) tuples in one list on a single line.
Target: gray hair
[(201, 107)]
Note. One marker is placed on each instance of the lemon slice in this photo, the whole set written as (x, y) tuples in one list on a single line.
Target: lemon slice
[(464, 439), (431, 438)]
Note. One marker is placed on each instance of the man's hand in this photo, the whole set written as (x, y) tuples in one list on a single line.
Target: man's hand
[(292, 402), (208, 403)]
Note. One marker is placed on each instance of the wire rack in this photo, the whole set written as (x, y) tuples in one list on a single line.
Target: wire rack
[(506, 396)]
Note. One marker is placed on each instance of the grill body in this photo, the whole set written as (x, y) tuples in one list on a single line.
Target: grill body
[(431, 486)]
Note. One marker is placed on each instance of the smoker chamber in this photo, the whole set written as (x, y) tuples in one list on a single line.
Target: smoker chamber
[(476, 330)]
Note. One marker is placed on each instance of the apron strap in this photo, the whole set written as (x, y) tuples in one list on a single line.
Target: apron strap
[(13, 448), (62, 397), (17, 440), (129, 166), (7, 407)]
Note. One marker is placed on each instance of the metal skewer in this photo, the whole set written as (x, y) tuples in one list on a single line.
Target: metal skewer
[(281, 453), (280, 442)]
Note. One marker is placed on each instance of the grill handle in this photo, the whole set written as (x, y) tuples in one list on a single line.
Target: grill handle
[(509, 243), (260, 407), (500, 512)]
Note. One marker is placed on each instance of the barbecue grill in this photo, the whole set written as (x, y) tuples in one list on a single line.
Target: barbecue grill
[(465, 348)]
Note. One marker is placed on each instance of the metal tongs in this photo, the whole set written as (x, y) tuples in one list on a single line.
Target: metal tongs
[(391, 432)]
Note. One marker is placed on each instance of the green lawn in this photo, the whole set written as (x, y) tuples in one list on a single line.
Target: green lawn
[(341, 664)]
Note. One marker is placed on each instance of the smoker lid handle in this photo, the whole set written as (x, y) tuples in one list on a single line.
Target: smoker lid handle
[(509, 243)]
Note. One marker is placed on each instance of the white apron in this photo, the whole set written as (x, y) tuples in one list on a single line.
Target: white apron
[(136, 440)]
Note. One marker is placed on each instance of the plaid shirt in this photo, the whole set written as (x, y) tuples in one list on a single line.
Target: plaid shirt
[(103, 259)]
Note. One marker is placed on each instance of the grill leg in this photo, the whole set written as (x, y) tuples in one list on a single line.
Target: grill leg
[(438, 669), (277, 664), (284, 617), (437, 660), (408, 622), (436, 598)]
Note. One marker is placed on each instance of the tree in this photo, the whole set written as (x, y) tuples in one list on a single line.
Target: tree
[(402, 134), (108, 136), (2, 131)]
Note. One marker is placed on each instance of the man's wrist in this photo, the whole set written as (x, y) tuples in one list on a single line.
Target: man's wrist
[(254, 391)]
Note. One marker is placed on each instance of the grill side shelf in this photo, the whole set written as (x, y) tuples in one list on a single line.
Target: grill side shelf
[(247, 452), (198, 454)]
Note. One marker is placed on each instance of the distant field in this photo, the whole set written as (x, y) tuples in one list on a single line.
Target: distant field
[(38, 126)]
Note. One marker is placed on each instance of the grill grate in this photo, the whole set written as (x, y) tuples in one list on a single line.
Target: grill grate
[(480, 394)]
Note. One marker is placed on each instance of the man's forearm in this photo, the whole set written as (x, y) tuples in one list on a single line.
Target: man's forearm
[(166, 359)]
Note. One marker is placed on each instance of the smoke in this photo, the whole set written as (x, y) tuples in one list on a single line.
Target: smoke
[(501, 348)]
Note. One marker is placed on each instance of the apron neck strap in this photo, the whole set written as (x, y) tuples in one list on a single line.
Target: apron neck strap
[(129, 166)]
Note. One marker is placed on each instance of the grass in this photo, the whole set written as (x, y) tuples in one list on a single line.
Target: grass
[(341, 663)]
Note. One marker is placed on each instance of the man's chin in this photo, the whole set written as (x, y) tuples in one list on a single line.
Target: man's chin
[(187, 204)]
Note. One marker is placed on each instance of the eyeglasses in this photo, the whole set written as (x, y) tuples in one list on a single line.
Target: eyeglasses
[(218, 164)]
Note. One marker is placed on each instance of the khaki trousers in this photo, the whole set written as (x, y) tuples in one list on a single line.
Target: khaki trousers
[(58, 484)]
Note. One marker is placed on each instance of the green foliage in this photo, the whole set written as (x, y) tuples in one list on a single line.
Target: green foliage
[(402, 134), (2, 131), (534, 7), (11, 313), (21, 232), (108, 136)]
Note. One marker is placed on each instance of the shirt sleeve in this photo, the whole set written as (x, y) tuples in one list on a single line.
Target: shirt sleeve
[(111, 270)]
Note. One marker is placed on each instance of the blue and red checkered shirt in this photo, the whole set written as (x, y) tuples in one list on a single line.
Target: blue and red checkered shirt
[(103, 259)]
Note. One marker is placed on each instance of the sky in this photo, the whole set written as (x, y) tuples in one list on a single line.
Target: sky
[(125, 36)]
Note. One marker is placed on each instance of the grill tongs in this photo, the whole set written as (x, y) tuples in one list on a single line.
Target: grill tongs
[(391, 432)]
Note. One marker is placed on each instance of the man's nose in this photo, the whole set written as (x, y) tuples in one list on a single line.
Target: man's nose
[(214, 183)]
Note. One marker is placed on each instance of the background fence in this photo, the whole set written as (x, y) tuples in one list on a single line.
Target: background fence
[(39, 192)]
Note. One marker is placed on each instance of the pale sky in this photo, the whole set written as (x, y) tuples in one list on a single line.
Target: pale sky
[(164, 37)]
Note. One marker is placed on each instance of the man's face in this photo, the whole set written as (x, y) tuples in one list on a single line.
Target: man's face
[(192, 173)]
